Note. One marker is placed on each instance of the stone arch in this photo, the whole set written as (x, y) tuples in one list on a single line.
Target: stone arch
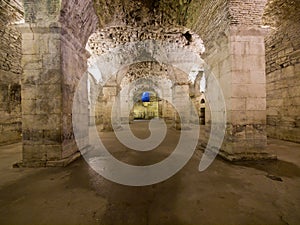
[(160, 84), (109, 64), (129, 95), (55, 35)]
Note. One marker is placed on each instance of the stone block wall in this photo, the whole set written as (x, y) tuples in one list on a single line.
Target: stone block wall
[(53, 61), (234, 44), (41, 84), (41, 95), (10, 72), (283, 69)]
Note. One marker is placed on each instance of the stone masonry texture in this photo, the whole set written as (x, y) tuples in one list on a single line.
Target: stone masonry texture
[(10, 72), (43, 59), (54, 59), (283, 69)]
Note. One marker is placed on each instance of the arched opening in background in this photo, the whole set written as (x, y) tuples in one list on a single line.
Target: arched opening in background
[(146, 110)]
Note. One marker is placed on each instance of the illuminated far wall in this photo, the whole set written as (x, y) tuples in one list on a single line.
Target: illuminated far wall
[(146, 110)]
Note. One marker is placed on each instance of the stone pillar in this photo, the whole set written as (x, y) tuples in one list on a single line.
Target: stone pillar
[(165, 103), (93, 96), (109, 98), (247, 108), (241, 71), (41, 88), (41, 95), (125, 107), (53, 62), (181, 100), (117, 113)]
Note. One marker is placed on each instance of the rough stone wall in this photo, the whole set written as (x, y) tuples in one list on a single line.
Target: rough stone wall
[(213, 18), (143, 12), (10, 72), (115, 36), (43, 12), (144, 70), (210, 19), (246, 12), (283, 69), (105, 39)]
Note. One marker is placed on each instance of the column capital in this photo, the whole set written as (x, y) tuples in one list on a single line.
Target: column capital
[(54, 27), (181, 84)]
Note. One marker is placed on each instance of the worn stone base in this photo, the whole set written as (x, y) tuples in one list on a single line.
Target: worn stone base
[(107, 129), (240, 156), (284, 133), (55, 163), (64, 162), (178, 126), (10, 138), (247, 156)]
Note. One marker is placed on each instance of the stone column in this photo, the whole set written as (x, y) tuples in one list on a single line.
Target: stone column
[(109, 98), (124, 105), (165, 103), (241, 70), (93, 96), (53, 62), (181, 100), (41, 94), (248, 95)]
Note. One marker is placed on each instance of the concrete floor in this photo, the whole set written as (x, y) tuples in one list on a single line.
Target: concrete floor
[(246, 193)]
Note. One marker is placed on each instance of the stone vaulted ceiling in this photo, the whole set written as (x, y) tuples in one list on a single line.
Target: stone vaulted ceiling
[(143, 12), (122, 22)]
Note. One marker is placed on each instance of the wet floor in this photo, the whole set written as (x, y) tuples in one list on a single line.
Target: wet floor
[(240, 193)]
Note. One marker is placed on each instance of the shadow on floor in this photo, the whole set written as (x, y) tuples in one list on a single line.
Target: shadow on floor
[(277, 168)]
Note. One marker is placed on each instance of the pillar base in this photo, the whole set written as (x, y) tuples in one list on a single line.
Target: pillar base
[(55, 163), (178, 126), (247, 156)]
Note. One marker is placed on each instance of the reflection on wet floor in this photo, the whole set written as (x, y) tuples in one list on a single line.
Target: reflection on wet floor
[(140, 158)]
